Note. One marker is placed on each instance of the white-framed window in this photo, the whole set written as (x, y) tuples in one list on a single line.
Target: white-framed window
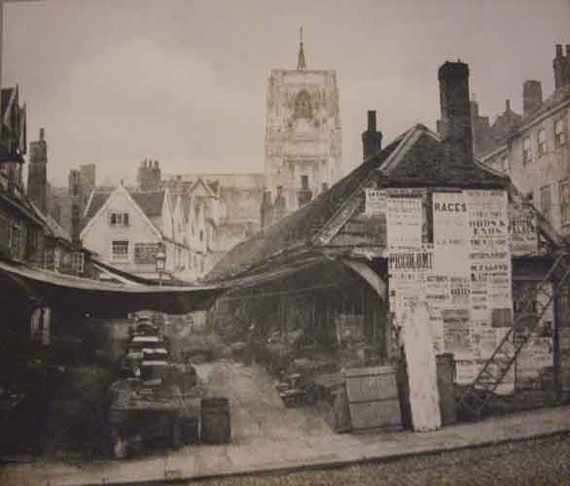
[(118, 218), (559, 132), (564, 199), (78, 262), (541, 138), (145, 253), (546, 202), (120, 250), (526, 153)]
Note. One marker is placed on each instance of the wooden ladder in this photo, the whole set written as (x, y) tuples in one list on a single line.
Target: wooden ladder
[(532, 312)]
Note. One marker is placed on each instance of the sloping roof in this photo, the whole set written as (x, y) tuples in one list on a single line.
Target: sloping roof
[(104, 299), (298, 228), (55, 229), (96, 201), (149, 201), (560, 95), (417, 157)]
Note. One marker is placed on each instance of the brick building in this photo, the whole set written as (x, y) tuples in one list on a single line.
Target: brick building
[(534, 148)]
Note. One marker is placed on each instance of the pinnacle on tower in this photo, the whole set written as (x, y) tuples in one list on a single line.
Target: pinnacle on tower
[(301, 62)]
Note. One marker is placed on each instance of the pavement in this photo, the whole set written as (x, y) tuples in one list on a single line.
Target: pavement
[(266, 436)]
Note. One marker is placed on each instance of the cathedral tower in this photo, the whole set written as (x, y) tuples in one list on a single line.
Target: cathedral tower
[(303, 141)]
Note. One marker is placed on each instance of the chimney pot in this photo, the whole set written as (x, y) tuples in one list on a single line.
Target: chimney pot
[(371, 120), (559, 50), (508, 105), (42, 135), (532, 95)]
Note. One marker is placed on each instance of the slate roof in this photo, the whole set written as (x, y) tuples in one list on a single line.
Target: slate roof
[(96, 201), (55, 229), (417, 157), (149, 201)]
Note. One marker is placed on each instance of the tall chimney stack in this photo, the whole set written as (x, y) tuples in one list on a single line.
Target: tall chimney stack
[(37, 173), (560, 65), (371, 138), (456, 111), (532, 95)]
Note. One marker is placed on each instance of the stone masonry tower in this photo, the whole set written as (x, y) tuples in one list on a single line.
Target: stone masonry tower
[(37, 173), (303, 140)]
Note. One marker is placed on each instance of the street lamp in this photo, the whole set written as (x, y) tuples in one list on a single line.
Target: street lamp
[(160, 262)]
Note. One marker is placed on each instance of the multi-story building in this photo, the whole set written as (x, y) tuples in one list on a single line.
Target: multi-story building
[(303, 138), (231, 205), (126, 229), (534, 148)]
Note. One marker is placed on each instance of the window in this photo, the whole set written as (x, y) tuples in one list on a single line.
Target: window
[(78, 262), (564, 197), (527, 155), (119, 218), (145, 252), (303, 105), (17, 242), (546, 202), (559, 133), (120, 250), (505, 164), (541, 141)]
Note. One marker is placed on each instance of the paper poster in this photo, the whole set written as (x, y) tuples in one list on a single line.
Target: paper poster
[(522, 229), (451, 233), (404, 222), (375, 202)]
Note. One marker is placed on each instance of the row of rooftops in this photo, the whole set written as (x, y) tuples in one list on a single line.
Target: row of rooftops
[(417, 158), (509, 123)]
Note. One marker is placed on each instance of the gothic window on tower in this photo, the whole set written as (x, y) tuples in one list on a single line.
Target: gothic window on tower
[(303, 107)]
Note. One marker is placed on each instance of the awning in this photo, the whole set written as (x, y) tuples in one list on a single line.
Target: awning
[(105, 299)]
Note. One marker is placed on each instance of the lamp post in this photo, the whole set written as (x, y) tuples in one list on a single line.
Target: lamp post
[(160, 262)]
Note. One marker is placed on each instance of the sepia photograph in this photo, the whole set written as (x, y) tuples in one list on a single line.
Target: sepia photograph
[(263, 243)]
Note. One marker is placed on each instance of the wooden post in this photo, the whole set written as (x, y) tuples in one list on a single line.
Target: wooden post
[(421, 366)]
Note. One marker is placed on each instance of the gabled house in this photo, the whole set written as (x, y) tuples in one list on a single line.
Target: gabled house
[(126, 228)]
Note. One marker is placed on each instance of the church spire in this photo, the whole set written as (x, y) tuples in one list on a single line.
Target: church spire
[(301, 62)]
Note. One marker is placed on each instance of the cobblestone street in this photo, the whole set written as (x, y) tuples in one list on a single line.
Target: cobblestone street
[(541, 462)]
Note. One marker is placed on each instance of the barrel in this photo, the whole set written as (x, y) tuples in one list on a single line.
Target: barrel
[(215, 427)]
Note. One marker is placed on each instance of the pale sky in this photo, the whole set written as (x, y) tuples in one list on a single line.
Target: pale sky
[(184, 82)]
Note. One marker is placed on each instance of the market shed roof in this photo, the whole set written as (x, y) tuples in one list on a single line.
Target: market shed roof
[(418, 157), (105, 299)]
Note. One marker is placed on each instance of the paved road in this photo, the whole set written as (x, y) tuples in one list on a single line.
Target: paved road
[(543, 462)]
